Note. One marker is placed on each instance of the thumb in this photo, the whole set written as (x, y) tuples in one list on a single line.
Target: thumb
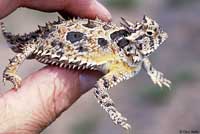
[(43, 96)]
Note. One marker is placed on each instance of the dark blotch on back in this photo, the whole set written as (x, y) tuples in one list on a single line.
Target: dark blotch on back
[(123, 42), (106, 27), (82, 49), (117, 34), (74, 36), (57, 44), (90, 24), (102, 42)]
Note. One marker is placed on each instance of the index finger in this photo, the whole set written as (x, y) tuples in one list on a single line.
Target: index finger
[(82, 8), (90, 9)]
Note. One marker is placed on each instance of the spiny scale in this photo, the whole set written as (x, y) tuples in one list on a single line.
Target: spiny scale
[(117, 51)]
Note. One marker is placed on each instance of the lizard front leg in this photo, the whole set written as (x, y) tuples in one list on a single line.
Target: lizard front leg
[(11, 69), (156, 76), (115, 76)]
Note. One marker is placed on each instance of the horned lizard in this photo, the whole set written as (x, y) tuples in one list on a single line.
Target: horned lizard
[(117, 51)]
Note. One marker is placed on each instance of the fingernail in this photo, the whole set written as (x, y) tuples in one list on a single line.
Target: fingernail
[(88, 80), (103, 12)]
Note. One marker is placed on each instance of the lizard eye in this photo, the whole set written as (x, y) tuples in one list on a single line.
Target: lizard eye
[(150, 33)]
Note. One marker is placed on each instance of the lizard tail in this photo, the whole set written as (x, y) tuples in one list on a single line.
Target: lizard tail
[(6, 34), (15, 41)]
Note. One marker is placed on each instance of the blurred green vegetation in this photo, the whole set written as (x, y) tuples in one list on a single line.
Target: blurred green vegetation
[(156, 95), (122, 4), (85, 126), (183, 76)]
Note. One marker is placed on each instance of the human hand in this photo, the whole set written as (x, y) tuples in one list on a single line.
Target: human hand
[(82, 8), (45, 94)]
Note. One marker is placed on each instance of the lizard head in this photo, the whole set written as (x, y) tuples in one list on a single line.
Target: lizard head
[(147, 35)]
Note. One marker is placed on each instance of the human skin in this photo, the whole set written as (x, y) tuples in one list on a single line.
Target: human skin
[(46, 93)]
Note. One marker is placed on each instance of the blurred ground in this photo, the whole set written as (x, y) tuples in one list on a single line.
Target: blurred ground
[(150, 110)]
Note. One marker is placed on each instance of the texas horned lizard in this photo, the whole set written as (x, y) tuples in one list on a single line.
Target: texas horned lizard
[(117, 51)]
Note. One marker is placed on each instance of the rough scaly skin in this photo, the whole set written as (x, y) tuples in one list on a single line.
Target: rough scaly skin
[(117, 51)]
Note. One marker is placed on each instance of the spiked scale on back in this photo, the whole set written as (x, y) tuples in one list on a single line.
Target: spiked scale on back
[(117, 51)]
